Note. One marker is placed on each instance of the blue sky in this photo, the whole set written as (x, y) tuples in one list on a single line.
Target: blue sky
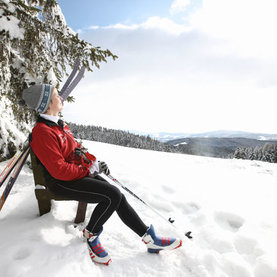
[(106, 12), (84, 13), (184, 65)]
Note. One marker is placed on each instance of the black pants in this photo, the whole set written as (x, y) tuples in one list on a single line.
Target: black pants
[(108, 197)]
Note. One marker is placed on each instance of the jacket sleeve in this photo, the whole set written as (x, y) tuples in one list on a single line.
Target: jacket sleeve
[(46, 147)]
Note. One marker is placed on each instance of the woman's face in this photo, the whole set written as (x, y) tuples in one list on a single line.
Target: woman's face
[(56, 104)]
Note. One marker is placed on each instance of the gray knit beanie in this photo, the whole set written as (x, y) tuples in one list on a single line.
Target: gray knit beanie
[(38, 97)]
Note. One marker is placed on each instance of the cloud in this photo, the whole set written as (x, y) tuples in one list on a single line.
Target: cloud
[(153, 23), (179, 6), (164, 24), (159, 44), (173, 78), (249, 25)]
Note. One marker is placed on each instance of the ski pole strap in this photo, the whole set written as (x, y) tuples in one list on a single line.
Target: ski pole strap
[(86, 158)]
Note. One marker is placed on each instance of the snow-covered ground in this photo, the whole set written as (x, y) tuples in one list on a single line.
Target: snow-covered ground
[(230, 205)]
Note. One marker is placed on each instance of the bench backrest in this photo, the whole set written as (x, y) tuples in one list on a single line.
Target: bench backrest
[(37, 170)]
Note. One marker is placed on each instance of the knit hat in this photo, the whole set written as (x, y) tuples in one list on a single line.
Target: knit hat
[(37, 97)]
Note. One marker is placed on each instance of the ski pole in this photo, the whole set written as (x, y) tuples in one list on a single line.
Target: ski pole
[(187, 234)]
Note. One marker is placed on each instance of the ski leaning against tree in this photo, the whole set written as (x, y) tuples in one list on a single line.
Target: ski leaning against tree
[(72, 172), (20, 157), (17, 164)]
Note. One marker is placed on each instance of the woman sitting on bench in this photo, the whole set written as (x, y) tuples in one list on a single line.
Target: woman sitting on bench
[(72, 173)]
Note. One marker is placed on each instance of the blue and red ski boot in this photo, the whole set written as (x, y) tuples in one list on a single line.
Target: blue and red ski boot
[(155, 244), (96, 251)]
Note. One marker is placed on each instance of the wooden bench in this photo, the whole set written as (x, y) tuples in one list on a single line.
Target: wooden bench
[(44, 196)]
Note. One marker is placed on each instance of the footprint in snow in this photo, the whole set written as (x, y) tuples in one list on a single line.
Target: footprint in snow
[(188, 207), (168, 189), (248, 246), (228, 221), (22, 253)]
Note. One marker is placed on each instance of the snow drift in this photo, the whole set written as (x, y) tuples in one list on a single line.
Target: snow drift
[(230, 205)]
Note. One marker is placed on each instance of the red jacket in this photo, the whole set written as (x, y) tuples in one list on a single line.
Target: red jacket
[(54, 146)]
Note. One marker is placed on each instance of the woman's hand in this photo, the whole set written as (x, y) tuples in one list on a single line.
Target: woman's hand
[(103, 168)]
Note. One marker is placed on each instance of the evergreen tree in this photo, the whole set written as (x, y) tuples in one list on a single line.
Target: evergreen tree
[(36, 46), (266, 153), (118, 137)]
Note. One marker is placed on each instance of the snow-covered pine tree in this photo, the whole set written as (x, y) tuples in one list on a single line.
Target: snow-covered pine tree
[(36, 46)]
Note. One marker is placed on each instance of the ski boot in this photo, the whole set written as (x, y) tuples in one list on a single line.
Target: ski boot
[(96, 251), (155, 244)]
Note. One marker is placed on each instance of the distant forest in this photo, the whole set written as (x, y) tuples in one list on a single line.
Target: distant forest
[(239, 148), (266, 153), (118, 137)]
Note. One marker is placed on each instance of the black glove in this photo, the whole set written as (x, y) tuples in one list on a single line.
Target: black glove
[(103, 168)]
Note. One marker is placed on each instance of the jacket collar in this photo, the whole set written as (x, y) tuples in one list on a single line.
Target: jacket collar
[(49, 122)]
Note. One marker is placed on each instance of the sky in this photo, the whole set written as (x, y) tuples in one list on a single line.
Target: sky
[(184, 65)]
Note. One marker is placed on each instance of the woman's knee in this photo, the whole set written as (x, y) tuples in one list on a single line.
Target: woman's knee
[(115, 195)]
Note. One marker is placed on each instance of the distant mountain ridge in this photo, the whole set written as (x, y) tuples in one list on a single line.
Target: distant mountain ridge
[(221, 147), (221, 143), (166, 136)]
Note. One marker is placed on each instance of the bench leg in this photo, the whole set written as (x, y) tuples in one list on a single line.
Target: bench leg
[(81, 212), (44, 206)]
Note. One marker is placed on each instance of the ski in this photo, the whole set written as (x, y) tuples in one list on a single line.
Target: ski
[(7, 169), (10, 166), (71, 83), (14, 176), (69, 79), (74, 83), (17, 161)]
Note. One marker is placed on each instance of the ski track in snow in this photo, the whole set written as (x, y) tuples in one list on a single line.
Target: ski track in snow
[(230, 205)]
